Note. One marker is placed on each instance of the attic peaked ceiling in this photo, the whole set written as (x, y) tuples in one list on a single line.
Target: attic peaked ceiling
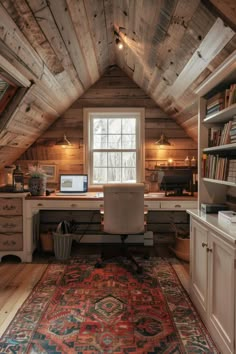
[(57, 49)]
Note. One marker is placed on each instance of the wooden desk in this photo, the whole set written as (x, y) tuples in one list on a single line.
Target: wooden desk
[(33, 205)]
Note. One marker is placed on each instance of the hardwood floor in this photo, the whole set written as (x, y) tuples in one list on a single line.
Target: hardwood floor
[(18, 279)]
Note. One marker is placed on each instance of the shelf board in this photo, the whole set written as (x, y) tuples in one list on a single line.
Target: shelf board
[(217, 181), (221, 148), (221, 116)]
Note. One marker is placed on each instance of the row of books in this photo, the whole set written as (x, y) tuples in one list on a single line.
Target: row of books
[(221, 100), (215, 167), (232, 132), (222, 135)]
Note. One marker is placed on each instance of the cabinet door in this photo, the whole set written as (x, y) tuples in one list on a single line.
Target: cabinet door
[(198, 263), (221, 292)]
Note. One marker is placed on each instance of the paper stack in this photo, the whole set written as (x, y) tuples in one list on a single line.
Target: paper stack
[(227, 218)]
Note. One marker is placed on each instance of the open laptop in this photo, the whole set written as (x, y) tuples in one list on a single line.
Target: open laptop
[(73, 184)]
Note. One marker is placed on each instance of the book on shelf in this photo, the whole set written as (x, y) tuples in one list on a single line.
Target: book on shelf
[(220, 136), (216, 167), (232, 171)]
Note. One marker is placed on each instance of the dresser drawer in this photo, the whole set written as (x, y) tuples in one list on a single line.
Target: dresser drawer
[(11, 224), (10, 206), (11, 242), (178, 205)]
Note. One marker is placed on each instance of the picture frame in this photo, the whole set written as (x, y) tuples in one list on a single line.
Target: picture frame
[(51, 172)]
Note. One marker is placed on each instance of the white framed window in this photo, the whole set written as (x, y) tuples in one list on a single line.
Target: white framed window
[(114, 145)]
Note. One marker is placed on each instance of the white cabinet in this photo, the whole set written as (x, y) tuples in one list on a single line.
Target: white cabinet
[(212, 287)]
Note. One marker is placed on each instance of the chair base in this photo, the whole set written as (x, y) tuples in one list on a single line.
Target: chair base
[(124, 252)]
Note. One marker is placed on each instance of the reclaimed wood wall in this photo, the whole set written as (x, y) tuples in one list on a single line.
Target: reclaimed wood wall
[(114, 89)]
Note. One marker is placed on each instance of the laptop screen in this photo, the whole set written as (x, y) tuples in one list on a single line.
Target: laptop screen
[(73, 183)]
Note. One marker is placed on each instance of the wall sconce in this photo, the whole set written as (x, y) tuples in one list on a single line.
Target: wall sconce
[(163, 140), (64, 142), (118, 41)]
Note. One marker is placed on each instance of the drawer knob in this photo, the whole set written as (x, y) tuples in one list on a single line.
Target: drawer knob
[(177, 206), (73, 205), (40, 204), (204, 244)]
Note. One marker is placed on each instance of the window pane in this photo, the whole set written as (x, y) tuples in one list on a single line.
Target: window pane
[(128, 141), (100, 159), (99, 126), (129, 126), (100, 142), (129, 159), (114, 175), (100, 175), (114, 141), (114, 126), (114, 159), (129, 175)]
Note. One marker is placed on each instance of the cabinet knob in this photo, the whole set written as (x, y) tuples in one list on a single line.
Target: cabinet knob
[(209, 249), (204, 244)]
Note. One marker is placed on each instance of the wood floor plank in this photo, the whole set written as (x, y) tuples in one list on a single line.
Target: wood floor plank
[(13, 296)]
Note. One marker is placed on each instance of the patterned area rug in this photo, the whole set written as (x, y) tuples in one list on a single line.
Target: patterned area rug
[(76, 308)]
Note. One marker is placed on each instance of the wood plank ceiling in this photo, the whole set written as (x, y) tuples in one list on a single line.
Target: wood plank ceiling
[(57, 49)]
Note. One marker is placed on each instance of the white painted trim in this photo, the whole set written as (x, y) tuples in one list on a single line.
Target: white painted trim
[(10, 69), (140, 135)]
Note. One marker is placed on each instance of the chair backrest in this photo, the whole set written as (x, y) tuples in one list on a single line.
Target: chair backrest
[(124, 208)]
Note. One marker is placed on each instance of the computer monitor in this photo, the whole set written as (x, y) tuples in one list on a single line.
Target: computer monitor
[(176, 182)]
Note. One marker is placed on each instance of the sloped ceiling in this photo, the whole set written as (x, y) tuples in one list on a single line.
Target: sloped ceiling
[(57, 49)]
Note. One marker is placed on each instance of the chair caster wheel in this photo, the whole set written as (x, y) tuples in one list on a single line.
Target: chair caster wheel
[(98, 265)]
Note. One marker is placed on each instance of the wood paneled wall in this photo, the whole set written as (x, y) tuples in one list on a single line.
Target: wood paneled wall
[(114, 89)]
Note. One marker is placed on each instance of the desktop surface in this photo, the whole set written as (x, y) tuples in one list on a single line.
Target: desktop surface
[(99, 196)]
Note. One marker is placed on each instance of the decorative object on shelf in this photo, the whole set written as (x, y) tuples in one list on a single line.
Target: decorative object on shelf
[(187, 161), (163, 140), (18, 180), (37, 180), (193, 162), (64, 142)]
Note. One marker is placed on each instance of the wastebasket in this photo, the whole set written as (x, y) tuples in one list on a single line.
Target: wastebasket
[(62, 245)]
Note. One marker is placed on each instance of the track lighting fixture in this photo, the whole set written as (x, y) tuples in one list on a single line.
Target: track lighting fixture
[(118, 41)]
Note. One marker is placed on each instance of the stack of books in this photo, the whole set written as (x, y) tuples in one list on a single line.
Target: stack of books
[(221, 100), (232, 171), (215, 103)]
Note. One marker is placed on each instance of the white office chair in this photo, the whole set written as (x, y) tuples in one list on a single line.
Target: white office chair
[(124, 213)]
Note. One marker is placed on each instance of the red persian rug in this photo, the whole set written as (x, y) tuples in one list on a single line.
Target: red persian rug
[(76, 308)]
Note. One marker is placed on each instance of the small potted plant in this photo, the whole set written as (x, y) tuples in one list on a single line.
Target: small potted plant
[(37, 180), (182, 243)]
